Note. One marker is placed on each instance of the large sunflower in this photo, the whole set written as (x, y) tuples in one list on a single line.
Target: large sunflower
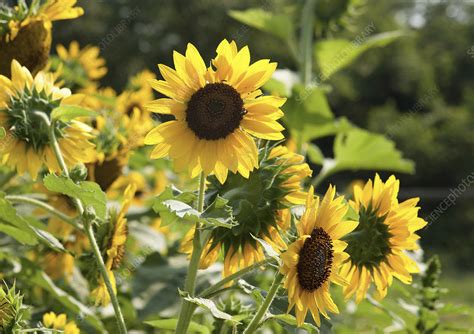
[(261, 205), (25, 31), (312, 262), (114, 236), (26, 146), (216, 109), (377, 248)]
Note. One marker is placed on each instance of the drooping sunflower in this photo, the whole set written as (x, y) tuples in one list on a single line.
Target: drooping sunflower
[(377, 249), (114, 236), (59, 322), (216, 111), (312, 262), (261, 205), (25, 31), (26, 146), (78, 68)]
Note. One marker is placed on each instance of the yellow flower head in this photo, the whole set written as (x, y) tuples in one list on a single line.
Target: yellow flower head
[(78, 68), (114, 246), (261, 205), (216, 110), (25, 31), (26, 146), (386, 229), (59, 322), (312, 262)]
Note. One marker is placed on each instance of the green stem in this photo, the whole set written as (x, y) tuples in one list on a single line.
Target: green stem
[(87, 226), (187, 308), (44, 206), (306, 41), (256, 321), (212, 289), (105, 275)]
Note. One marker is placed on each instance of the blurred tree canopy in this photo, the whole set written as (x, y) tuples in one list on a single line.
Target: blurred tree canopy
[(419, 90)]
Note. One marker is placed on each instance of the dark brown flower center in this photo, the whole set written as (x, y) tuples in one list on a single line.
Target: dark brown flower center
[(215, 111), (314, 265)]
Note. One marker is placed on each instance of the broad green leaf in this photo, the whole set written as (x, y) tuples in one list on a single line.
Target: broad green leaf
[(170, 193), (291, 320), (89, 193), (19, 235), (361, 150), (173, 206), (275, 87), (279, 25), (335, 54), (218, 213), (314, 154), (40, 279), (170, 324), (268, 249), (3, 133), (207, 304), (308, 115), (66, 113), (15, 225)]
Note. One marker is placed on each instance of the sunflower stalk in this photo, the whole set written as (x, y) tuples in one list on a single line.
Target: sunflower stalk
[(187, 308), (87, 226), (306, 51), (257, 319), (211, 290)]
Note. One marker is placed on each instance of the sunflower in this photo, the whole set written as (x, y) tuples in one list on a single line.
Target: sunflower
[(141, 81), (311, 262), (386, 230), (26, 146), (78, 68), (59, 322), (113, 241), (25, 31), (216, 111), (262, 205)]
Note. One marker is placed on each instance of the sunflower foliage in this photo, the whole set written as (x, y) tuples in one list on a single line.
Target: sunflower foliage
[(201, 198)]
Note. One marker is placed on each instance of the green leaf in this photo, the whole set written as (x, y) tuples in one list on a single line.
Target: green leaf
[(314, 154), (170, 324), (335, 54), (291, 320), (3, 133), (275, 87), (89, 193), (14, 225), (172, 206), (66, 113), (279, 25), (268, 249), (40, 279), (359, 149), (207, 304), (218, 213), (308, 115)]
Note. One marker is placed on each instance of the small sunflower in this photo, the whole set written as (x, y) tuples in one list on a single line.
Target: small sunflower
[(216, 111), (78, 68), (141, 81), (25, 31), (114, 245), (378, 247), (59, 322), (311, 263), (261, 205), (26, 146)]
